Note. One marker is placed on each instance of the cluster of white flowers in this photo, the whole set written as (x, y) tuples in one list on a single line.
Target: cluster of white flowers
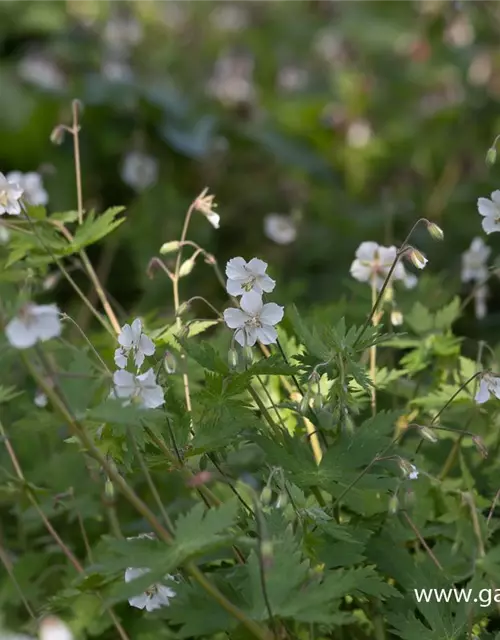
[(140, 388), (373, 263), (34, 323), (254, 320)]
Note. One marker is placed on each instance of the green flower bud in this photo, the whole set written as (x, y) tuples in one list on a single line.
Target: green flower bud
[(428, 434), (393, 504), (169, 362), (435, 231), (232, 358), (170, 247), (266, 495), (491, 156)]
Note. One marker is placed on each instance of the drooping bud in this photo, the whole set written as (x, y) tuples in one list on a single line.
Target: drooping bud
[(304, 404), (282, 500), (396, 318), (417, 257), (232, 358), (186, 267), (267, 552), (248, 354), (170, 247), (169, 362), (435, 231), (393, 504), (491, 156), (266, 496), (318, 402), (409, 470), (57, 134), (428, 434), (109, 490)]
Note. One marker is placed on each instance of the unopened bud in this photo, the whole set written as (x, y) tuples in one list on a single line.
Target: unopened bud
[(282, 501), (170, 247), (57, 134), (314, 377), (169, 362), (435, 231), (266, 495), (393, 504), (232, 358), (109, 489), (248, 354), (409, 470), (418, 258), (396, 317), (428, 434), (186, 267), (480, 446), (200, 479), (304, 404), (491, 156)]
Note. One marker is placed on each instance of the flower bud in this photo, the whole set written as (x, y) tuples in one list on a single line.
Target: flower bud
[(428, 434), (491, 156), (109, 490), (304, 404), (232, 358), (182, 308), (266, 495), (57, 134), (409, 470), (435, 231), (170, 247), (418, 258), (318, 402), (396, 318), (393, 504), (169, 362), (282, 500), (248, 354), (186, 267)]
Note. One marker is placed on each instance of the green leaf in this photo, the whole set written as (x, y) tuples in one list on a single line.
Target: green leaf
[(94, 228)]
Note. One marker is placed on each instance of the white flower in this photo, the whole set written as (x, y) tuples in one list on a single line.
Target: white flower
[(247, 276), (155, 597), (373, 263), (139, 170), (116, 70), (474, 261), (142, 389), (131, 339), (359, 134), (10, 194), (413, 475), (205, 204), (40, 400), (53, 628), (490, 210), (292, 78), (42, 72), (480, 306), (489, 384), (4, 234), (122, 32), (34, 323), (280, 228), (32, 186), (254, 321)]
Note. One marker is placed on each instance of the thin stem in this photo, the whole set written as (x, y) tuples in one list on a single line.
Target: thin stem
[(373, 354), (492, 509), (76, 151), (422, 541), (4, 559), (259, 519)]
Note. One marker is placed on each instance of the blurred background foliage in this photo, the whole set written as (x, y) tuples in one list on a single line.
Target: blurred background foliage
[(352, 119)]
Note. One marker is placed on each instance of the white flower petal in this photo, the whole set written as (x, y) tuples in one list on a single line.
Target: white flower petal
[(251, 303), (266, 283), (241, 337), (486, 207), (495, 196), (483, 392), (164, 594), (48, 325), (136, 328), (235, 269), (250, 336), (490, 225), (146, 345), (360, 271), (126, 337), (20, 335), (139, 602), (367, 251), (271, 313), (234, 288), (134, 572), (257, 266), (267, 334), (235, 318), (120, 358), (280, 228)]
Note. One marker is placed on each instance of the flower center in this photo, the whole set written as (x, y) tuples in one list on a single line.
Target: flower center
[(151, 591), (248, 285), (254, 323)]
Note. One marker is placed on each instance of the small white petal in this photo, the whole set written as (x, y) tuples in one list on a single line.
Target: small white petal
[(139, 602), (483, 392), (20, 335), (241, 337), (271, 313), (266, 283), (495, 196), (367, 251), (234, 288), (120, 358), (258, 266), (361, 272), (251, 303), (267, 334), (235, 269), (235, 318), (490, 224), (126, 337), (487, 207)]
